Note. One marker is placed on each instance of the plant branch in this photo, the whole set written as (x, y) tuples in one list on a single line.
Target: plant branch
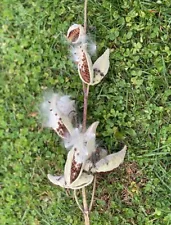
[(76, 199), (85, 15), (86, 91), (93, 193), (86, 211)]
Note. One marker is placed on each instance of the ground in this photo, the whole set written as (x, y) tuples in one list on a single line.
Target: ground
[(133, 105)]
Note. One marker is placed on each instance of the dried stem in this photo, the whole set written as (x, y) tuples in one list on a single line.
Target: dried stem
[(93, 193), (76, 199), (86, 91), (86, 210), (85, 15), (85, 205)]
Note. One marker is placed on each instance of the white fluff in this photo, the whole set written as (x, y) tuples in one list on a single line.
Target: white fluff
[(76, 141), (76, 53), (77, 50), (66, 105), (73, 138), (84, 143), (81, 149), (57, 108), (92, 47), (50, 103)]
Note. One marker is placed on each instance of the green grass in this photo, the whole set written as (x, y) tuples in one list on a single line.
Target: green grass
[(133, 105)]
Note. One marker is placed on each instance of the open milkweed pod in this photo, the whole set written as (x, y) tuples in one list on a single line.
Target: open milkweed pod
[(58, 111), (81, 151), (83, 181), (89, 73), (85, 66), (101, 67), (57, 180), (110, 162), (76, 34), (73, 168)]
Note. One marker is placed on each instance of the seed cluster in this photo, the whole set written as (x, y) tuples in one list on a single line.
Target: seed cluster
[(74, 34), (75, 169), (61, 130), (98, 72), (84, 70)]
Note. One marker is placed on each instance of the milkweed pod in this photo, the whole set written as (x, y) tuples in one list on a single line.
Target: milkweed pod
[(73, 168), (83, 181), (110, 162), (101, 67), (85, 66), (76, 34), (92, 128), (57, 180), (89, 73), (80, 153)]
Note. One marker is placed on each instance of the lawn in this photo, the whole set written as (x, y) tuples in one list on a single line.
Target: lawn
[(133, 105)]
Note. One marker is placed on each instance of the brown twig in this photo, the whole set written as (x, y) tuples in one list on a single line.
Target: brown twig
[(76, 199), (86, 210), (93, 193), (84, 196), (85, 91), (85, 15)]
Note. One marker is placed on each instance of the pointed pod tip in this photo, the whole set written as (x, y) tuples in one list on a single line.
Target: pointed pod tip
[(92, 128), (123, 151), (107, 52), (96, 124), (124, 148)]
